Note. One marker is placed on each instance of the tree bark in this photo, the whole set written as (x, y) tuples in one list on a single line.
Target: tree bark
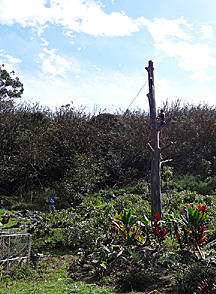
[(156, 152)]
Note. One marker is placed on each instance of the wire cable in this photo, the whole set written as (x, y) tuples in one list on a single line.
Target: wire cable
[(136, 96)]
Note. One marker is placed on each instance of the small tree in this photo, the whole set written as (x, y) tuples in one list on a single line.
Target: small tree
[(10, 86)]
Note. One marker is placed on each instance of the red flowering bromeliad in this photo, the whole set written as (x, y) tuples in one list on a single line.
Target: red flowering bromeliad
[(202, 208), (201, 239), (199, 207), (195, 223), (200, 222), (159, 233)]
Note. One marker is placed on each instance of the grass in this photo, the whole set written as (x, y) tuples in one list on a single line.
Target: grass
[(58, 287), (51, 277), (12, 221)]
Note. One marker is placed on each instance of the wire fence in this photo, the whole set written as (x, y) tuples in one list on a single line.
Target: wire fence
[(15, 248)]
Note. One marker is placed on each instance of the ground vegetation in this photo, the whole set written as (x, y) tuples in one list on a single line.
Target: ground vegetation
[(96, 166)]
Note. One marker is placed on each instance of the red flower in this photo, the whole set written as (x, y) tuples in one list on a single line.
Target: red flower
[(157, 231), (157, 217), (202, 208)]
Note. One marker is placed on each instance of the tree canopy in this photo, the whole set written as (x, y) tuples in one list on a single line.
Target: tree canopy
[(10, 86)]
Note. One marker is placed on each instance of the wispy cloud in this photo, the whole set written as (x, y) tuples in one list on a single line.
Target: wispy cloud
[(45, 43), (175, 38), (207, 32), (162, 29), (12, 59), (53, 65), (9, 61)]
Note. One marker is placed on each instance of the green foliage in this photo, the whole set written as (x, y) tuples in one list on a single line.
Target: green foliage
[(127, 217), (194, 218), (194, 183), (85, 230), (138, 202), (48, 241), (22, 206), (125, 224), (82, 180), (167, 173), (104, 259), (195, 222), (169, 258), (77, 154), (137, 279), (10, 87), (196, 278), (89, 224)]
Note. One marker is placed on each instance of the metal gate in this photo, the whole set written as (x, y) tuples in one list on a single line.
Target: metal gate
[(14, 249)]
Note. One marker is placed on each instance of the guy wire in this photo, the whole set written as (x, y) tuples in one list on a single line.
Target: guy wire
[(136, 96)]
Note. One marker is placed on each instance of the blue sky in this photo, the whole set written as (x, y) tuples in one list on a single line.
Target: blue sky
[(94, 53)]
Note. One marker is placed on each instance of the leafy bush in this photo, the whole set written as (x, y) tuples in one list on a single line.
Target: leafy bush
[(8, 201), (137, 279), (194, 183), (138, 202), (89, 224), (85, 230), (196, 278), (22, 206)]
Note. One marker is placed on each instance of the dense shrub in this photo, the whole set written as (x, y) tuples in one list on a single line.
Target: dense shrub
[(73, 151), (137, 279), (196, 278)]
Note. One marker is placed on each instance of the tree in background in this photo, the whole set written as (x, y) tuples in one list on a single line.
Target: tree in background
[(10, 86)]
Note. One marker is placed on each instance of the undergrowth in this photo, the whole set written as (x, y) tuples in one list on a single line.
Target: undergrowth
[(99, 254)]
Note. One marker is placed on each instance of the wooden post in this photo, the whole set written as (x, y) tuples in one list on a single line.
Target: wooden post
[(154, 147), (155, 163)]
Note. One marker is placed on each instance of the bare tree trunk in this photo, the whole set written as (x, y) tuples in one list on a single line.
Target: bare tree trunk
[(154, 146), (155, 163)]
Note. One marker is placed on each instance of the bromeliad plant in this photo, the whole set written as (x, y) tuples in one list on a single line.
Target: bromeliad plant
[(195, 223), (126, 226)]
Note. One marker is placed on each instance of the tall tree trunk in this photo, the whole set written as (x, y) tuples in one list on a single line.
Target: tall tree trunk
[(155, 163)]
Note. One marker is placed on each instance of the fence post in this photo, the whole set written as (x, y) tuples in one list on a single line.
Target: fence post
[(8, 257), (29, 250)]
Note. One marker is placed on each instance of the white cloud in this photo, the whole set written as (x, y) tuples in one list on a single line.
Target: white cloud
[(12, 59), (207, 32), (162, 29), (45, 43), (24, 12), (9, 61), (54, 65), (172, 37), (8, 58), (76, 15), (41, 55)]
